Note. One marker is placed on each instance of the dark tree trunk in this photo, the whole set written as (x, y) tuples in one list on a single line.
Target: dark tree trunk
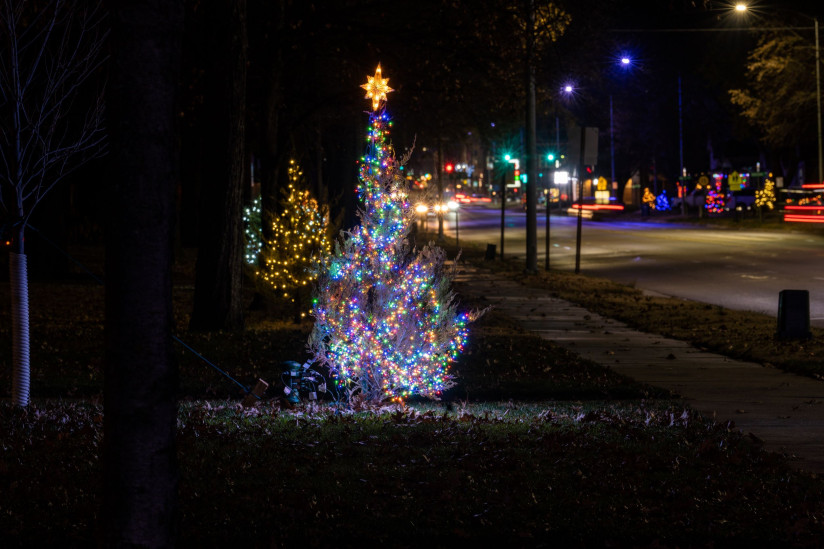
[(140, 467), (320, 190), (269, 195), (219, 273), (271, 127)]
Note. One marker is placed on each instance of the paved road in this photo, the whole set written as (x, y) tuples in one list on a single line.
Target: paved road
[(737, 269)]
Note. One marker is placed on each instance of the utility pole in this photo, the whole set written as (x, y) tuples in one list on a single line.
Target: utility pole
[(818, 102), (503, 211), (531, 146), (440, 188)]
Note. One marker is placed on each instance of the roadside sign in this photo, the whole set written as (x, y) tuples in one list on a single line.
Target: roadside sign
[(734, 181)]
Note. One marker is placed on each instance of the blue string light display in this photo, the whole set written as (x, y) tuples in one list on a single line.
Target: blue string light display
[(662, 202)]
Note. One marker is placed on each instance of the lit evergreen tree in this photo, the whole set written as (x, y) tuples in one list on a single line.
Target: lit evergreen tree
[(386, 322), (766, 197), (253, 232), (282, 264)]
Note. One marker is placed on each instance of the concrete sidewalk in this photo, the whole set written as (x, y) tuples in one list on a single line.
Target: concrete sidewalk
[(784, 410)]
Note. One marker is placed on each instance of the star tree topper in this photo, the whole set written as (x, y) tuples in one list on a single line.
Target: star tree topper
[(376, 88)]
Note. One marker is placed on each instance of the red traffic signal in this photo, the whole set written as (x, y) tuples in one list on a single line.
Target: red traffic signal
[(449, 168)]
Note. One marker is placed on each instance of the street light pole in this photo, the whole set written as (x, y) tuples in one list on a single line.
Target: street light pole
[(611, 144), (547, 194), (626, 63), (680, 128), (682, 174), (454, 207), (503, 209), (818, 98), (531, 189)]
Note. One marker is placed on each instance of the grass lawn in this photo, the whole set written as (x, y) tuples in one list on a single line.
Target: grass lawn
[(534, 447)]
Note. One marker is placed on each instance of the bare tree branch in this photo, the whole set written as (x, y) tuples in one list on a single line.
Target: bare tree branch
[(49, 127)]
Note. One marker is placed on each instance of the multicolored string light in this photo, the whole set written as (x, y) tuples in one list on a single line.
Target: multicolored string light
[(716, 200), (385, 319)]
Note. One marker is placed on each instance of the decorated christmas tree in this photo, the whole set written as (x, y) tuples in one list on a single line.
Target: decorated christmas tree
[(386, 323), (766, 197), (282, 264), (716, 200)]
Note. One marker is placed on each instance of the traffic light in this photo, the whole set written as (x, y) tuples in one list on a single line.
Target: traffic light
[(550, 157), (449, 168)]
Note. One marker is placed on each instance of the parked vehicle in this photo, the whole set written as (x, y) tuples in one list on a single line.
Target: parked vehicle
[(741, 200), (694, 199)]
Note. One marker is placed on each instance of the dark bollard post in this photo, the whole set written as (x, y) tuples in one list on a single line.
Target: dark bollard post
[(490, 252), (793, 314)]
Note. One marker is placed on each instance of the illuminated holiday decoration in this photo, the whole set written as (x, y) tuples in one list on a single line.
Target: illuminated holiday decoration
[(808, 209), (810, 201), (648, 198), (716, 200), (662, 203), (766, 197), (376, 88), (386, 323), (299, 233), (252, 232)]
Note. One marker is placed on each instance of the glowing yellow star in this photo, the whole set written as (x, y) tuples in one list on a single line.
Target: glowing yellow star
[(376, 88)]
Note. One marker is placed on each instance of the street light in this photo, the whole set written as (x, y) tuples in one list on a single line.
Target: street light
[(626, 61), (517, 163), (741, 8), (567, 89)]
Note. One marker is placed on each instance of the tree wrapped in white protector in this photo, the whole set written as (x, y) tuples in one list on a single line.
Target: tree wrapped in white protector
[(386, 320)]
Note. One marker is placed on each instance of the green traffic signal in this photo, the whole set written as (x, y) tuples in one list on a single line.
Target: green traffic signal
[(550, 157)]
